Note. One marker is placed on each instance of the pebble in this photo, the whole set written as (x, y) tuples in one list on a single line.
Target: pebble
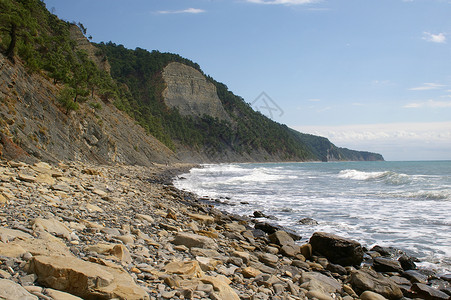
[(166, 242)]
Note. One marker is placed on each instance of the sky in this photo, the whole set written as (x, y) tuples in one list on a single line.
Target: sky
[(369, 75)]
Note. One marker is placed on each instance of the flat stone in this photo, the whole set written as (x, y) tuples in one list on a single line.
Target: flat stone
[(318, 281), (235, 227), (281, 238), (250, 272), (147, 218), (269, 259), (415, 276), (221, 287), (26, 178), (194, 240), (427, 292), (62, 188), (369, 280), (320, 295), (58, 295), (368, 295), (386, 265), (52, 226), (12, 234), (85, 279), (10, 290), (186, 269), (204, 219), (337, 249)]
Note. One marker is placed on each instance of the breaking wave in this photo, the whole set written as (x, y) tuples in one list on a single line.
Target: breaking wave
[(388, 177)]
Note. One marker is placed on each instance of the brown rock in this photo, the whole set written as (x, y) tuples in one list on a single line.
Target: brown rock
[(204, 219), (369, 280), (368, 295), (194, 240), (250, 272), (186, 269), (10, 290), (429, 293), (281, 238), (221, 286), (52, 226), (85, 279)]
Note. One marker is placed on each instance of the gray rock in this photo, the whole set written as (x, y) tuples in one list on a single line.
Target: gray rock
[(337, 249), (10, 290), (308, 221), (318, 281), (427, 292), (281, 238), (368, 295), (407, 262), (415, 276), (194, 240), (386, 265), (369, 280)]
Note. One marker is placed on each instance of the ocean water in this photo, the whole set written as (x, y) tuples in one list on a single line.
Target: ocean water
[(406, 205)]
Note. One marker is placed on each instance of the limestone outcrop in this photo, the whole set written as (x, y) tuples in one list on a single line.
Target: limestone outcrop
[(190, 92)]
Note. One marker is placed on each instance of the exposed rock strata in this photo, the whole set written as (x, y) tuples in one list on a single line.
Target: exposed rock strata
[(190, 92)]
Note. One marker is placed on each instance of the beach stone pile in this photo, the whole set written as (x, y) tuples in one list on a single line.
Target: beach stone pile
[(77, 231)]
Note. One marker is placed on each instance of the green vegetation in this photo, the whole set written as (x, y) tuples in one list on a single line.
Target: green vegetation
[(48, 48)]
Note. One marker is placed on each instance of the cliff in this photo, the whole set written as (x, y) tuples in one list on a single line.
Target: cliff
[(190, 92), (32, 120)]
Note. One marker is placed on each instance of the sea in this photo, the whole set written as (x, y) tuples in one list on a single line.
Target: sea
[(405, 205)]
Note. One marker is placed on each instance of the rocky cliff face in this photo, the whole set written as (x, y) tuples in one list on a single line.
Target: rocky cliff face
[(33, 125), (190, 92), (82, 43)]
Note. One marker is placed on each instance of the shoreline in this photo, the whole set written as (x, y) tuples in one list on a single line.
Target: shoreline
[(153, 241)]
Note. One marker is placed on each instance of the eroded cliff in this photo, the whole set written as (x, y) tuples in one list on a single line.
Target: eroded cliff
[(31, 119), (190, 92)]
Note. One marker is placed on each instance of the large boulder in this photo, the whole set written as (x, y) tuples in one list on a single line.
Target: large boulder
[(369, 280), (337, 249), (85, 279)]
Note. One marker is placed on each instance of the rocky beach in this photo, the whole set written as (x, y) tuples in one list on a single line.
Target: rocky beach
[(81, 231)]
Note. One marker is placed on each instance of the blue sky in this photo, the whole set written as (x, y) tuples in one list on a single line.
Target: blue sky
[(369, 75)]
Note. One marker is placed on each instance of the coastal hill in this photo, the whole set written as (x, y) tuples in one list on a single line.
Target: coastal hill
[(65, 98)]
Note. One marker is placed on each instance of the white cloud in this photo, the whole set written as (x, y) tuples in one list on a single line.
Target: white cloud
[(435, 38), (395, 141), (314, 100), (427, 86), (183, 11), (284, 2), (429, 104)]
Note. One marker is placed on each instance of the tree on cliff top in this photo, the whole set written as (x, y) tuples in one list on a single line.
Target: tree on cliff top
[(16, 20)]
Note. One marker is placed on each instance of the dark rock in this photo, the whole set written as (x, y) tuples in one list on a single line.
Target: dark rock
[(259, 214), (428, 293), (446, 277), (415, 276), (386, 265), (258, 233), (369, 280), (385, 251), (271, 228), (337, 249), (336, 269), (407, 262), (307, 221)]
